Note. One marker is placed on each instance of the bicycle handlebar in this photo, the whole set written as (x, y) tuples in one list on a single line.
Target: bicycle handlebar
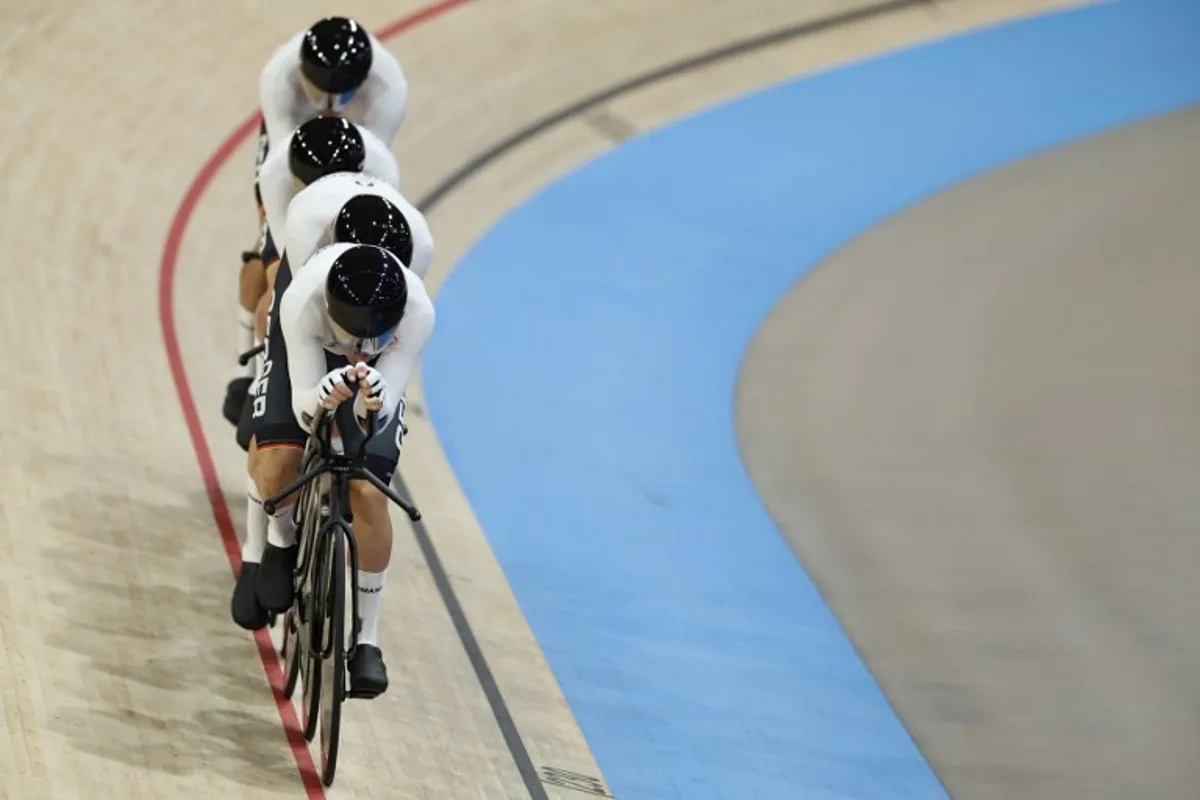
[(349, 466), (245, 357), (344, 417)]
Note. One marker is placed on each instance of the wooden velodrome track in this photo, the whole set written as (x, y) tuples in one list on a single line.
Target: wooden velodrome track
[(129, 199)]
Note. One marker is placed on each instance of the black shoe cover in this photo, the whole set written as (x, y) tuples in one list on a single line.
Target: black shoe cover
[(368, 674), (275, 587), (244, 607)]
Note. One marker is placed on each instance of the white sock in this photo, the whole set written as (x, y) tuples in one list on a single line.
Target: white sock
[(281, 527), (256, 525), (245, 339), (370, 603)]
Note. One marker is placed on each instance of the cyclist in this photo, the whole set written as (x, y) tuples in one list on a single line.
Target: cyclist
[(319, 147), (335, 66), (357, 207), (350, 310)]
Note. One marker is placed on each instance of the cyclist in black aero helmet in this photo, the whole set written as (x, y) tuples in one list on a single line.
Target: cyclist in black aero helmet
[(335, 56), (334, 67), (325, 145), (373, 219), (351, 311), (358, 208), (365, 294)]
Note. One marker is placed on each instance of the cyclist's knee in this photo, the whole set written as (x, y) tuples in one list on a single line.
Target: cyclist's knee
[(368, 502), (252, 283), (273, 468), (364, 494), (272, 270)]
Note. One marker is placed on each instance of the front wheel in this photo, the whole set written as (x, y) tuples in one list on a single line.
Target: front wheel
[(334, 668)]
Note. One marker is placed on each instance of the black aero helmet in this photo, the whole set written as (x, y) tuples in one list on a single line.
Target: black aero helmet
[(335, 55), (371, 219), (365, 291), (323, 146)]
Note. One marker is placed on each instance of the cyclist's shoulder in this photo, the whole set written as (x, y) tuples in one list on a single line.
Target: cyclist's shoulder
[(386, 73), (283, 65), (418, 294), (419, 312), (302, 301)]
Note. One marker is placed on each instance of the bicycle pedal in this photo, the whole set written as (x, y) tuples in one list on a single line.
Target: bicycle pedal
[(362, 694)]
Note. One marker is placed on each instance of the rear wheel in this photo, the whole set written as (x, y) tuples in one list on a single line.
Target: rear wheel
[(291, 653), (334, 668), (302, 631), (310, 708), (309, 638), (295, 620)]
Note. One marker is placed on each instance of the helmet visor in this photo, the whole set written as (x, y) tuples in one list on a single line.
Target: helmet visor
[(350, 344), (326, 103), (337, 102)]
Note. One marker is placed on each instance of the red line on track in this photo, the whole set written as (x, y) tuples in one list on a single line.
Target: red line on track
[(204, 460)]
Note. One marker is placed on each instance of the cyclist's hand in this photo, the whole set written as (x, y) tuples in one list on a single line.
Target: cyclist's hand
[(371, 386), (333, 388)]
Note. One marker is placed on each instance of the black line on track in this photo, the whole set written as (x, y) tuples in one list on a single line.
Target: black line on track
[(482, 160), (483, 672), (609, 125)]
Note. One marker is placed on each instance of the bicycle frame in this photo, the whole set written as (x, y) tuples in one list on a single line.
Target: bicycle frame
[(338, 465), (336, 470), (328, 549)]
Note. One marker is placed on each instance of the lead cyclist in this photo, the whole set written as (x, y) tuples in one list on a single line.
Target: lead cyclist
[(352, 311)]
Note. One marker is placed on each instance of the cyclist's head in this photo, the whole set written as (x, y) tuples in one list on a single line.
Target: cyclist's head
[(371, 219), (323, 146), (365, 294), (335, 59)]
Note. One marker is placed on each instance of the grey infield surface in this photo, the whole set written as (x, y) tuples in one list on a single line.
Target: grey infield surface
[(979, 427)]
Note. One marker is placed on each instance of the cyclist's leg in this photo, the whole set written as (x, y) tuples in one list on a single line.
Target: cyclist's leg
[(373, 534), (274, 463), (245, 422), (251, 286), (251, 283), (262, 303), (275, 451)]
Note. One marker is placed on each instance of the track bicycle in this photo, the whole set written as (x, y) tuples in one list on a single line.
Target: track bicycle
[(317, 646)]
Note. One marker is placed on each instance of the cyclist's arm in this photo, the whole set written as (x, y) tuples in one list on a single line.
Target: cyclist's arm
[(300, 324), (422, 245), (388, 88), (422, 239), (275, 185), (276, 91), (399, 363), (379, 162), (305, 232)]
